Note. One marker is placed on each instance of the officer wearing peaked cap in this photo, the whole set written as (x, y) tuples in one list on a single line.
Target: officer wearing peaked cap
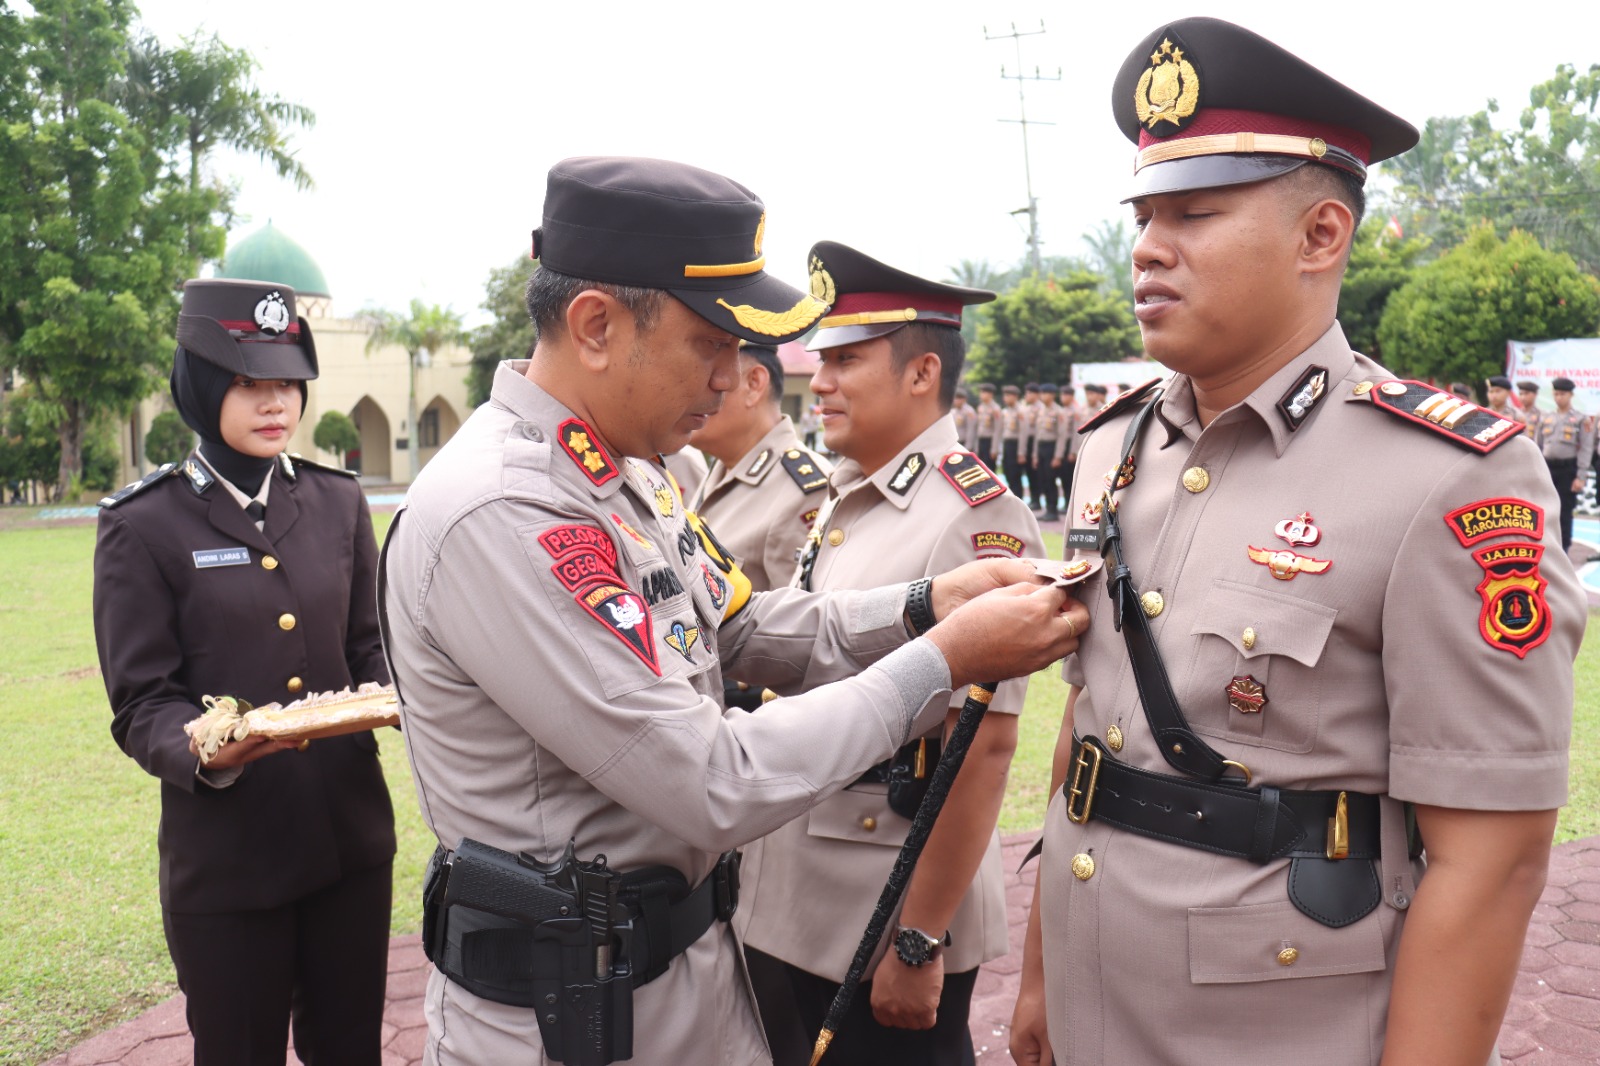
[(1228, 871), (906, 501), (559, 625), (246, 572), (1566, 437)]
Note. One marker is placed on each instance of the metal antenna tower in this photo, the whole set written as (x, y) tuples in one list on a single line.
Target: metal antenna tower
[(1032, 210)]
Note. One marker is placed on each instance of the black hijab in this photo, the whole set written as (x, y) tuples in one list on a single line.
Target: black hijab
[(198, 387)]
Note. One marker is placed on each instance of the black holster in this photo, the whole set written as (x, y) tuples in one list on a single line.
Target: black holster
[(900, 773)]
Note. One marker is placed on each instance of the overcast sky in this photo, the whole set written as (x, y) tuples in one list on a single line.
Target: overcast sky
[(871, 123)]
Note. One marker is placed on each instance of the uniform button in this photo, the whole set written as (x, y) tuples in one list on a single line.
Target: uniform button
[(1195, 479), (1392, 388), (1153, 603), (1114, 738), (1288, 956), (295, 684), (836, 537), (869, 823), (286, 621), (1249, 637), (268, 563), (1363, 387), (1082, 866)]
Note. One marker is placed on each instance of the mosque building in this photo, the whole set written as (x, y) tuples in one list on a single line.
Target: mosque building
[(370, 387)]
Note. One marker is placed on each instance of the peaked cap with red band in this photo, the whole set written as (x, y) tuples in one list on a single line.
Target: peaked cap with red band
[(1211, 104), (872, 299), (247, 327)]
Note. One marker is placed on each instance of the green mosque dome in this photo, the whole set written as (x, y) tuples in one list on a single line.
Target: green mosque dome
[(268, 255)]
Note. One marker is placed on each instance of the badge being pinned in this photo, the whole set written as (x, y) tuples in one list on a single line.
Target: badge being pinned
[(1515, 615), (1122, 476), (1246, 695)]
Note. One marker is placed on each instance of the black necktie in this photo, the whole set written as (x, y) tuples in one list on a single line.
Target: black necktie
[(256, 510)]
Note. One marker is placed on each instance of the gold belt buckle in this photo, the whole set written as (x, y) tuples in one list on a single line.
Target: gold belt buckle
[(1088, 756), (1337, 845)]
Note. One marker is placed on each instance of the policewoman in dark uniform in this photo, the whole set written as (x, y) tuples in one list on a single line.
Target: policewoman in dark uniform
[(244, 572)]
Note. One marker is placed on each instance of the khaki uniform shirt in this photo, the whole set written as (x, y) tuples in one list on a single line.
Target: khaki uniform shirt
[(558, 635), (1011, 423), (1568, 436), (1030, 426), (762, 507), (966, 422), (988, 422), (688, 468), (1385, 673), (1047, 425), (812, 885), (1531, 417), (1084, 413)]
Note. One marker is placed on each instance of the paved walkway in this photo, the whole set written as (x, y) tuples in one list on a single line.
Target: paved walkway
[(1554, 1018)]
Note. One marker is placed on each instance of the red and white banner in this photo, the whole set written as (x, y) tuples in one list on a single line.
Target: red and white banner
[(1543, 361)]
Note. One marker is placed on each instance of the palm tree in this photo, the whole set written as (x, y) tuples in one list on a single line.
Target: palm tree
[(422, 333), (1111, 252)]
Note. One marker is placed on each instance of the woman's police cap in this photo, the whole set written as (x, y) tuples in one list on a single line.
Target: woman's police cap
[(247, 327), (1212, 104), (656, 224), (872, 299)]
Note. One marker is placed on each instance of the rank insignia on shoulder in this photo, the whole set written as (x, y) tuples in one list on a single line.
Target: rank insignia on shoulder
[(1460, 421), (971, 478), (908, 473), (804, 470), (1515, 615), (578, 441), (993, 540), (133, 488), (621, 611), (1125, 402), (298, 460), (1303, 396), (760, 464), (1496, 518)]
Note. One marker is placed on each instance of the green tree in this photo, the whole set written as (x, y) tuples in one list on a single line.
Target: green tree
[(1111, 254), (508, 334), (1452, 320), (167, 440), (423, 332), (1041, 327), (29, 450), (336, 433), (1379, 264)]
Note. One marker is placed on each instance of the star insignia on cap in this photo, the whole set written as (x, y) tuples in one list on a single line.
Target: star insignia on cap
[(1168, 92), (822, 286)]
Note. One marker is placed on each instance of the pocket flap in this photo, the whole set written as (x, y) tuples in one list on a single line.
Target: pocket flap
[(860, 814), (1275, 942), (1283, 624)]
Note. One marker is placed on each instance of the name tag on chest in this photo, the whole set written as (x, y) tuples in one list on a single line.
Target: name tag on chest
[(210, 557)]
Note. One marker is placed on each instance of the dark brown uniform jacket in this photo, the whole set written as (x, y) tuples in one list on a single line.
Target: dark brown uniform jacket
[(300, 603)]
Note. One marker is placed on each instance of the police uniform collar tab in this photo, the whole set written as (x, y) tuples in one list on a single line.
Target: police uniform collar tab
[(197, 474), (753, 467), (872, 299), (665, 225), (932, 444), (1210, 104), (1303, 385)]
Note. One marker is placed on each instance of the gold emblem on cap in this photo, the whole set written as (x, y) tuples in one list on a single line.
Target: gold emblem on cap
[(822, 287), (1169, 91), (776, 323), (1082, 866), (761, 233)]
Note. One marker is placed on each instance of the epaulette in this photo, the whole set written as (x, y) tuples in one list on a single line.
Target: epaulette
[(1459, 421), (805, 471), (133, 488), (1120, 404), (287, 466), (970, 477)]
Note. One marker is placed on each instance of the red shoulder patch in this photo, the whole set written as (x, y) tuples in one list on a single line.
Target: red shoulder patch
[(1120, 404), (976, 482), (624, 613), (1459, 421), (1496, 518), (579, 441), (1515, 615)]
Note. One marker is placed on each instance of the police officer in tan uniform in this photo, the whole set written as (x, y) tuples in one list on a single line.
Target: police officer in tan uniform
[(1498, 388), (765, 487), (905, 501), (1227, 873), (1566, 437), (1030, 421), (1094, 399), (1046, 461), (966, 419), (1528, 411), (1011, 431), (988, 425), (558, 626)]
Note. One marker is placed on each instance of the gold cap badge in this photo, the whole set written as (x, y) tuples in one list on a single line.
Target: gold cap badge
[(761, 232), (822, 287), (1168, 92)]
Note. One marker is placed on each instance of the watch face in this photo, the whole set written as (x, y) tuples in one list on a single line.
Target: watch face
[(912, 947)]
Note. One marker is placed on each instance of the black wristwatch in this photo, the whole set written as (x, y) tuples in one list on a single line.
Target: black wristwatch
[(919, 605), (916, 948)]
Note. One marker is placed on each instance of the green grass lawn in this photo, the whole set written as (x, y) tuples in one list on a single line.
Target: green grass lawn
[(80, 929)]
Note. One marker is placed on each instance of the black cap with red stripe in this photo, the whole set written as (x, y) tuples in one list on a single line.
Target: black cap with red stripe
[(247, 327), (872, 299), (1212, 104)]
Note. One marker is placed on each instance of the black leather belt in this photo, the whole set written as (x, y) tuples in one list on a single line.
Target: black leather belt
[(1259, 824)]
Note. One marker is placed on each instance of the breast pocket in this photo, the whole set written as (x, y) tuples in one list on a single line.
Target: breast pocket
[(1256, 665), (860, 814)]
